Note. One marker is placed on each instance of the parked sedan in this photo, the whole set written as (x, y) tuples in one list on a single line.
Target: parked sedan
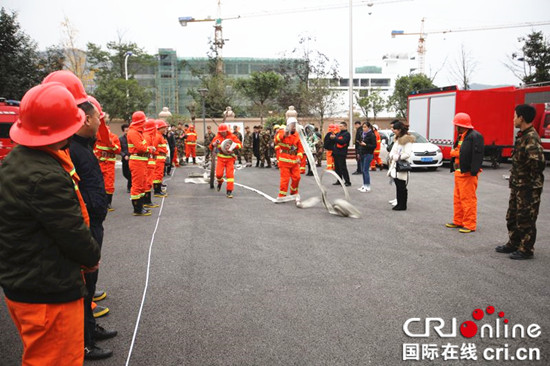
[(425, 154)]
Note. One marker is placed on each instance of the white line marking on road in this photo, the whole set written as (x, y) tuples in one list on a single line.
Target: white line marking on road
[(146, 277)]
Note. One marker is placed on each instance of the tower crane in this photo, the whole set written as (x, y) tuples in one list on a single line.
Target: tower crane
[(422, 36), (219, 41)]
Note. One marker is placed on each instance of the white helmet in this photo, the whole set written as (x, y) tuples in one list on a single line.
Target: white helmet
[(375, 126), (291, 120)]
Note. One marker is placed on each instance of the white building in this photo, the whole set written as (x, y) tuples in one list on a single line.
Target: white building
[(378, 77)]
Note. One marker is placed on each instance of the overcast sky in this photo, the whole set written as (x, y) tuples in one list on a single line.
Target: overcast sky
[(267, 29)]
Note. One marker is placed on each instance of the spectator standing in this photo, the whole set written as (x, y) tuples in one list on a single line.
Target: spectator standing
[(366, 146), (358, 138), (125, 156), (340, 153), (526, 182), (401, 150)]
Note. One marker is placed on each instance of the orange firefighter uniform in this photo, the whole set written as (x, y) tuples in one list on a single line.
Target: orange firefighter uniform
[(106, 152), (224, 161), (190, 144), (290, 156), (150, 134), (376, 161), (139, 156), (466, 160), (465, 199)]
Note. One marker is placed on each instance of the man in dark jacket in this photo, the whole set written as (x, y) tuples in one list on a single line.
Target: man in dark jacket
[(125, 156), (358, 134), (44, 239), (466, 160), (340, 152), (93, 192)]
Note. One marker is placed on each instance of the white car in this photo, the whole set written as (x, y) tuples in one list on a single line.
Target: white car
[(425, 154)]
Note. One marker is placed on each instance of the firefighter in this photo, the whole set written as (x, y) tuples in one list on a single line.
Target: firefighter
[(139, 157), (466, 159), (150, 134), (45, 243), (226, 158), (161, 157), (376, 161), (290, 157), (276, 148), (106, 147), (328, 144), (191, 144)]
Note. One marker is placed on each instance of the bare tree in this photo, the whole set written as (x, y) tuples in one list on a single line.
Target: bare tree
[(75, 59), (463, 68)]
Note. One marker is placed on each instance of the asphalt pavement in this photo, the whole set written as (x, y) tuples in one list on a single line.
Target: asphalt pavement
[(244, 281)]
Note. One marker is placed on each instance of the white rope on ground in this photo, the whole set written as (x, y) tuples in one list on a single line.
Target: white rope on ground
[(146, 277)]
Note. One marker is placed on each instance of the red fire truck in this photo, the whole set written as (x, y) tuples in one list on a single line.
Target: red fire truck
[(9, 110), (431, 113)]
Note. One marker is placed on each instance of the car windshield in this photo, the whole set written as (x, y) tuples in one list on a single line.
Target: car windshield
[(419, 138)]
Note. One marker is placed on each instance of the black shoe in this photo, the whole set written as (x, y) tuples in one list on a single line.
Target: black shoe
[(504, 249), (96, 353), (268, 166), (101, 333), (399, 208), (356, 173), (348, 184), (309, 174), (520, 255), (229, 194), (219, 187), (336, 183)]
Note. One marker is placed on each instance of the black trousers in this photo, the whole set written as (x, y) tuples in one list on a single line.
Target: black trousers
[(127, 174), (401, 192), (91, 280), (341, 168)]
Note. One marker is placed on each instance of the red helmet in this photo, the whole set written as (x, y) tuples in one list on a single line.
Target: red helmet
[(223, 128), (48, 114), (97, 105), (161, 123), (463, 120), (71, 81), (138, 117), (150, 125)]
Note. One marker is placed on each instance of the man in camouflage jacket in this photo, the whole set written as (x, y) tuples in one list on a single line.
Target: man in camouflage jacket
[(526, 181)]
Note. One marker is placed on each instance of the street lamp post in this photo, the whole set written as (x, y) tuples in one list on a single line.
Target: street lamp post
[(203, 92)]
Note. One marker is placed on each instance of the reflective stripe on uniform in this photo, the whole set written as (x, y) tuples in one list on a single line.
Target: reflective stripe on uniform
[(288, 160), (142, 158), (225, 156)]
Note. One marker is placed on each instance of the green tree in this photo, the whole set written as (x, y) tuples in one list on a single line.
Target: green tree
[(404, 86), (21, 66), (532, 65), (260, 88), (372, 101), (111, 84), (221, 89)]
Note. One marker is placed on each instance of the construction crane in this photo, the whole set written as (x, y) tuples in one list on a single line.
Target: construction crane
[(219, 41), (422, 36)]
